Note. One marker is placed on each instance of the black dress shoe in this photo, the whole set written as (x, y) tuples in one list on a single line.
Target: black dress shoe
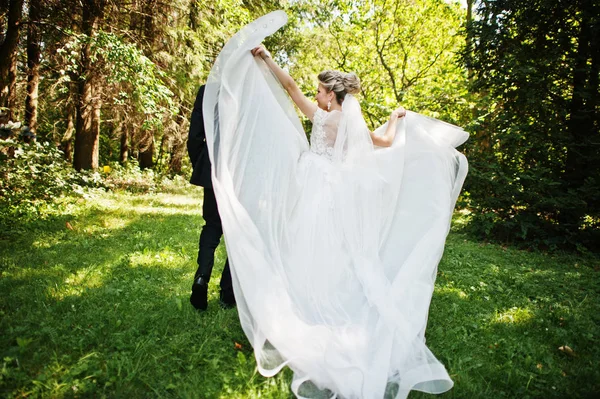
[(199, 298), (227, 300)]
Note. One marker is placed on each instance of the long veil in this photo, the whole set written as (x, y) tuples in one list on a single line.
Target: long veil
[(333, 263)]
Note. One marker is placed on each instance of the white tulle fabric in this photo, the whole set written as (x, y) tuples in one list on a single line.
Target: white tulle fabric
[(334, 246)]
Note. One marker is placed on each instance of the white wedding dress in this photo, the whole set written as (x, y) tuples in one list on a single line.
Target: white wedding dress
[(333, 246)]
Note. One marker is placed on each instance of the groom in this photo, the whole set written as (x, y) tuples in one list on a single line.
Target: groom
[(212, 229)]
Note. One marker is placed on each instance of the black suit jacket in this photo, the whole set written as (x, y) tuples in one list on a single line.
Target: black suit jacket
[(196, 145)]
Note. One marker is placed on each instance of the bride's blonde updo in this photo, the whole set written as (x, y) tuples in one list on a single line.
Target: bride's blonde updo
[(340, 83)]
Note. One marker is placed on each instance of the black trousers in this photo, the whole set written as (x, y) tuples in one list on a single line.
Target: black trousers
[(209, 240)]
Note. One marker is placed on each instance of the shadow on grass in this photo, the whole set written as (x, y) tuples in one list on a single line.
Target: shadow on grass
[(103, 310), (498, 318)]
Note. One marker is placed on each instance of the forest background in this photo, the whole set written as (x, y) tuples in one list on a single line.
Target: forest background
[(99, 225), (95, 92)]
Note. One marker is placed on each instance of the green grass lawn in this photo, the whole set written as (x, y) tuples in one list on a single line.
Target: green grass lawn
[(101, 309)]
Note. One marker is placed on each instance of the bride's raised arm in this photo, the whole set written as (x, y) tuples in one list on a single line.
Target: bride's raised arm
[(387, 138), (306, 106)]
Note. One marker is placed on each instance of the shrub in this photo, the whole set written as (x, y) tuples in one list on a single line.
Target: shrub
[(32, 175)]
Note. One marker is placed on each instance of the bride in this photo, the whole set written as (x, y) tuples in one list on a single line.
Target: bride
[(333, 245)]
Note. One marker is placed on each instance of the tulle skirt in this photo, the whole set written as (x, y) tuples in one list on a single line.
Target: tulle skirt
[(333, 264)]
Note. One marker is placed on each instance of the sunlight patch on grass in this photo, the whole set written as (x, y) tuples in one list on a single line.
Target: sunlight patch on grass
[(150, 258), (48, 241), (494, 269), (452, 290), (107, 314), (157, 210), (103, 230), (75, 284), (178, 200), (514, 315), (162, 204), (114, 222)]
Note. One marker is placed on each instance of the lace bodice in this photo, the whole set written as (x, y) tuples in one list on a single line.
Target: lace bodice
[(324, 132)]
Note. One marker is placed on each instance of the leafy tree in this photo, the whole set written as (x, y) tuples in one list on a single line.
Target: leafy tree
[(120, 77), (403, 51), (535, 167)]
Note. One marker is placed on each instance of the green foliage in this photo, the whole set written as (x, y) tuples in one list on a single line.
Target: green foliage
[(144, 81), (137, 80), (149, 63), (403, 51), (535, 154), (37, 183), (31, 176), (193, 43), (133, 179), (101, 310)]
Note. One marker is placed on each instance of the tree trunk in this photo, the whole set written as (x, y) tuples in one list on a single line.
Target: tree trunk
[(134, 18), (146, 150), (124, 152), (3, 7), (8, 57), (179, 147), (468, 38), (470, 11), (149, 31), (175, 161), (67, 139), (96, 108), (87, 131), (33, 63), (146, 145), (193, 15), (161, 149)]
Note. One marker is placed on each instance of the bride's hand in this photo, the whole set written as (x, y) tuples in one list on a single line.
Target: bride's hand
[(399, 112), (260, 51)]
